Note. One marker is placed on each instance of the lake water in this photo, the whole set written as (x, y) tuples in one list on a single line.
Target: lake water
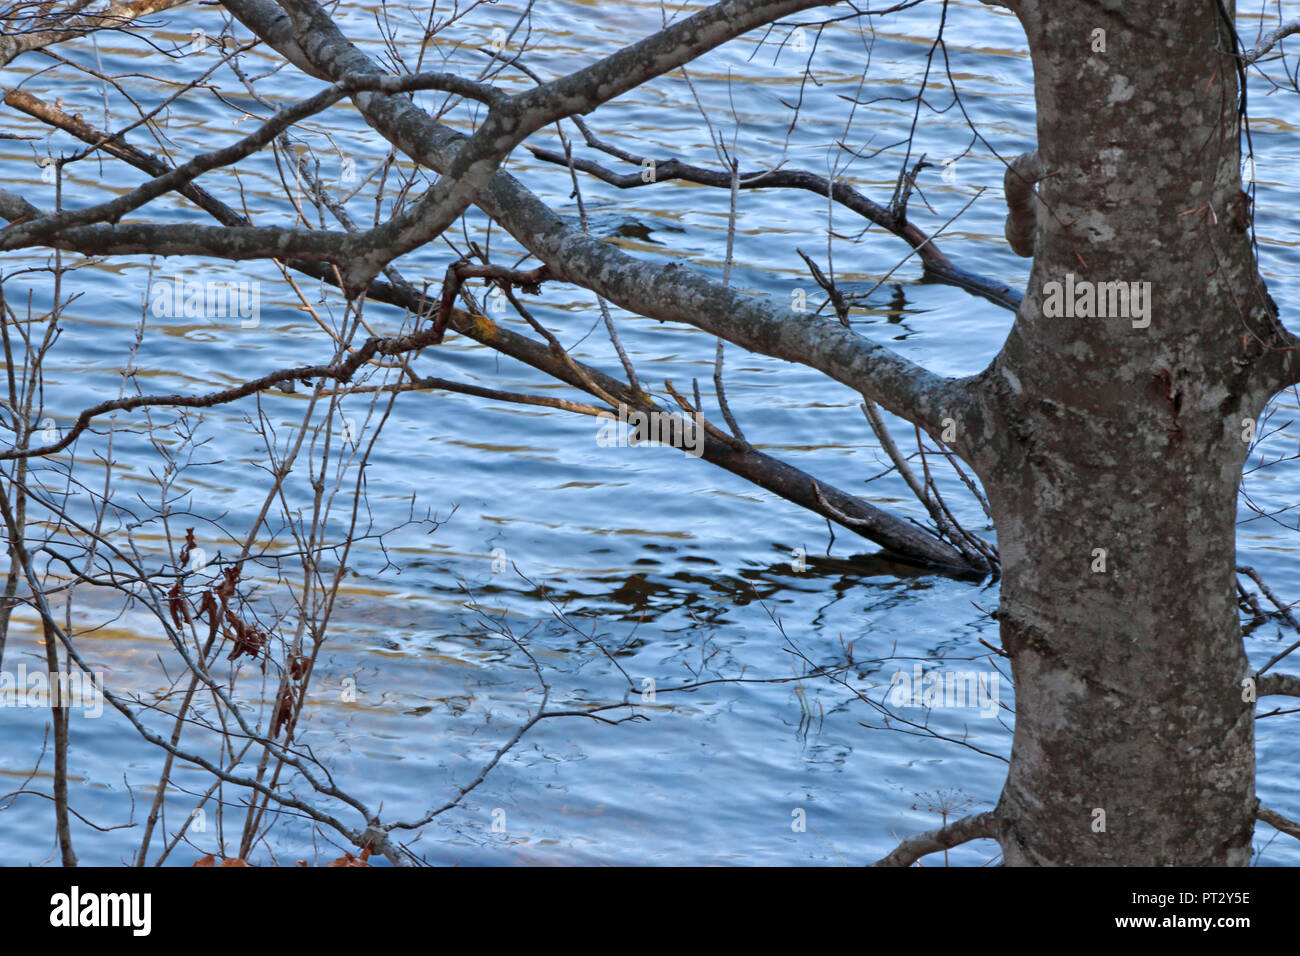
[(677, 569)]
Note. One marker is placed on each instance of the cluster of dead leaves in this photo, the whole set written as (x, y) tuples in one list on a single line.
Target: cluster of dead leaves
[(286, 707), (347, 859), (214, 605), (283, 717), (247, 638)]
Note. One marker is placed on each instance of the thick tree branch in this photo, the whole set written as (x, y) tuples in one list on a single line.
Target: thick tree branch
[(115, 145), (1269, 41), (476, 160), (667, 293), (311, 248), (977, 827), (142, 238), (1283, 685), (1279, 822), (937, 266), (30, 233), (874, 524), (60, 27), (509, 122)]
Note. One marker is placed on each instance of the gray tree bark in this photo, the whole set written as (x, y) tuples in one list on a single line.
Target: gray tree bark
[(1111, 452)]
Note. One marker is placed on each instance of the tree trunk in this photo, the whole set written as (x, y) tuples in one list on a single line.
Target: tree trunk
[(1111, 449)]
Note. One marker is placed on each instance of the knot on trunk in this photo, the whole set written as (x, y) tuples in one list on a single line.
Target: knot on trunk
[(1022, 207)]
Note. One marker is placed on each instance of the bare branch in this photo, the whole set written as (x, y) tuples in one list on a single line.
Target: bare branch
[(341, 371), (667, 293), (981, 552), (937, 266), (59, 28), (1282, 685), (1269, 41), (977, 827), (1279, 822), (511, 121)]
